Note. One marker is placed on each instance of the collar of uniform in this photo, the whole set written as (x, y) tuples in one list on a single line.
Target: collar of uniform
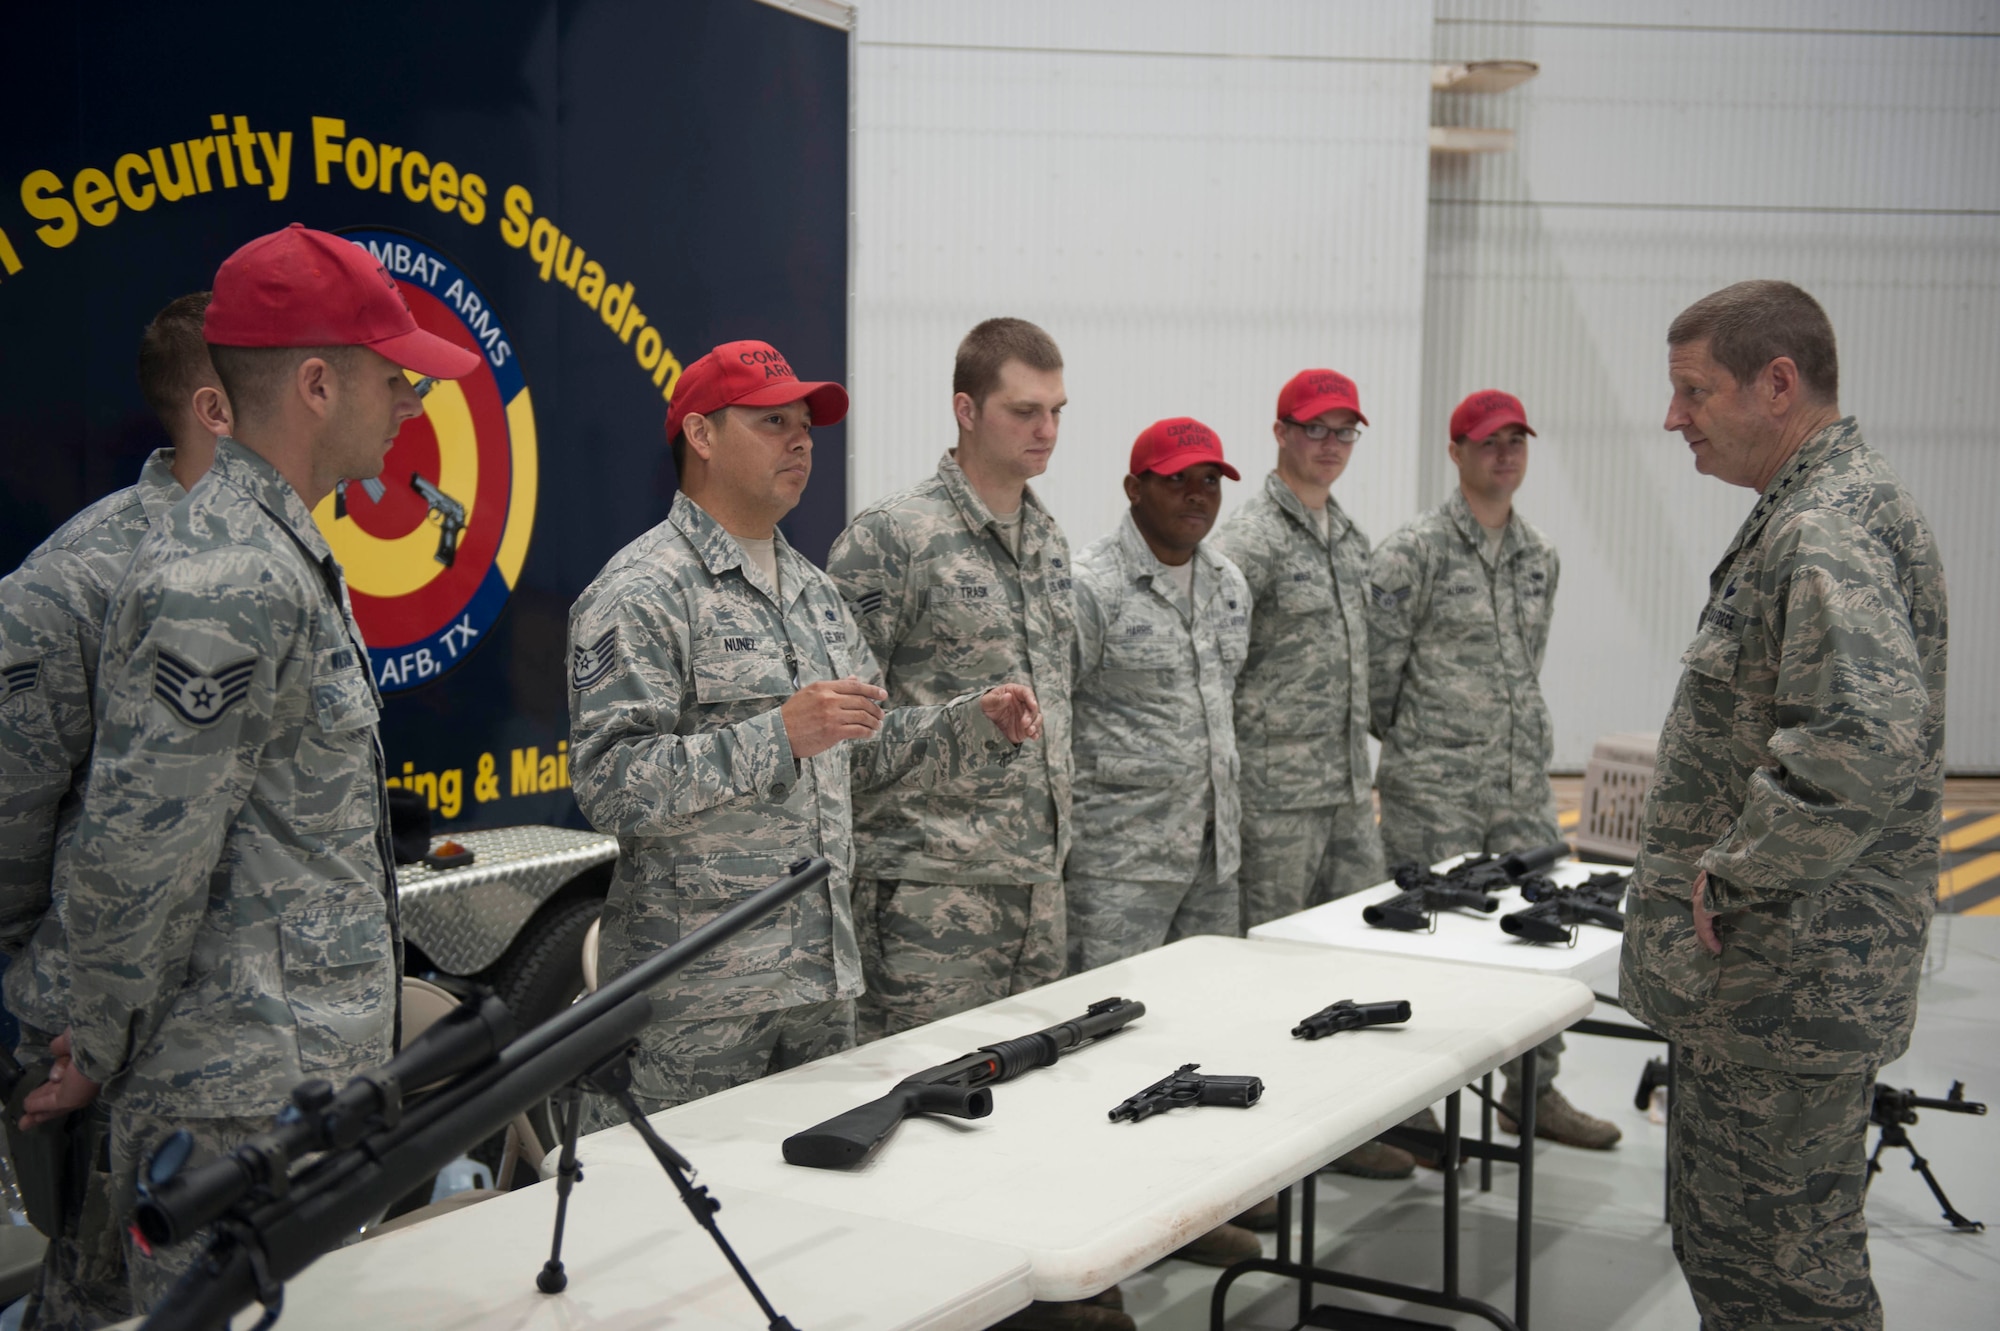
[(1474, 533), (719, 551), (248, 471), (158, 490), (1843, 436), (1288, 502), (978, 517), (1140, 561)]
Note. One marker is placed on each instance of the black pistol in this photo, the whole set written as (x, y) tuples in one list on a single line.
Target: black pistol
[(957, 1088), (1348, 1015), (1184, 1089)]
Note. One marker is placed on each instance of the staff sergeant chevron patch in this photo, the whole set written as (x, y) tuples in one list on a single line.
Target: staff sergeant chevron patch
[(593, 662), (199, 697), (19, 678)]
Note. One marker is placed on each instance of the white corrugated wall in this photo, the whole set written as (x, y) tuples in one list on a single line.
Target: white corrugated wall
[(1665, 152), (1196, 200)]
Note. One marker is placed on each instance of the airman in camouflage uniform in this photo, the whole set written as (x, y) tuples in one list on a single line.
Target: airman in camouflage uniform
[(51, 629), (689, 662), (959, 896), (1309, 830), (1157, 811), (1458, 621), (228, 884), (1789, 845)]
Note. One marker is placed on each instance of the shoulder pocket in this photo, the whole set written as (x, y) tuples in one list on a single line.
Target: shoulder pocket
[(343, 696)]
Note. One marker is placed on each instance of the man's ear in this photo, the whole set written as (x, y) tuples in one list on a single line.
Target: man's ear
[(1781, 382), (318, 385), (964, 411), (1131, 489), (699, 436), (1278, 432), (1451, 451), (211, 410)]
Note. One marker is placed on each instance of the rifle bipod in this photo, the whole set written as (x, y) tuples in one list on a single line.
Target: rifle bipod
[(1893, 1109), (614, 1078)]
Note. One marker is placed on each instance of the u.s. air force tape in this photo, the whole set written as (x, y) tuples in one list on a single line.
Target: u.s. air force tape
[(19, 678), (591, 663), (198, 697)]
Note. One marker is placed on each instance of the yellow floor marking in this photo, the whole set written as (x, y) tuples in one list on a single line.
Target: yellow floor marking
[(1972, 834), (1986, 908), (1950, 814), (1968, 875), (1570, 818)]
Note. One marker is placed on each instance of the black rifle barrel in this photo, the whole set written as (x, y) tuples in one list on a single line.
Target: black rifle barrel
[(338, 1193), (957, 1088)]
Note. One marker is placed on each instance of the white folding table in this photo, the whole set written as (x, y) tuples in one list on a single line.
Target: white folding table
[(1089, 1201)]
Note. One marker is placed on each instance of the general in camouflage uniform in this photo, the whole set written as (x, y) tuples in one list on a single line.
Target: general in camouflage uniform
[(1157, 810), (958, 894), (228, 884), (1458, 621), (683, 653), (1309, 831), (1789, 845)]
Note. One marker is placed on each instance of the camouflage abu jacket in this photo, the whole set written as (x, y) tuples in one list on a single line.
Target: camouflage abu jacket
[(1801, 765), (1455, 650), (681, 655), (1155, 682), (229, 888), (947, 609), (1302, 700), (51, 630)]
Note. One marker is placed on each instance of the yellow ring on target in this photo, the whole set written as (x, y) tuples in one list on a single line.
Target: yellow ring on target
[(392, 568)]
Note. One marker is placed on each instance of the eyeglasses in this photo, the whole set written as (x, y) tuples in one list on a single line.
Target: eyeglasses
[(424, 385), (1346, 434)]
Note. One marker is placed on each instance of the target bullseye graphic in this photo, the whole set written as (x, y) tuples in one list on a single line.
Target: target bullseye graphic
[(421, 612)]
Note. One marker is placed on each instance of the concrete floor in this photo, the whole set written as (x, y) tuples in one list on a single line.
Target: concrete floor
[(1602, 1255)]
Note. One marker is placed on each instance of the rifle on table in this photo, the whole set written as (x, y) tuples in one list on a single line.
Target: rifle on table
[(272, 1217), (1184, 1088), (957, 1088), (1467, 885), (1558, 911)]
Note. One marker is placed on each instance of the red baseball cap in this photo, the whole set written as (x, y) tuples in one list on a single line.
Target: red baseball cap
[(1485, 412), (749, 374), (305, 288), (1170, 447), (1311, 393)]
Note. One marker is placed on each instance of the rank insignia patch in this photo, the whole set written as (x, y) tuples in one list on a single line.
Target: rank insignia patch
[(591, 663), (19, 678), (198, 697), (1387, 599)]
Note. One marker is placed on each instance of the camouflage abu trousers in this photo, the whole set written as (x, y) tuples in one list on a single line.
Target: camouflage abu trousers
[(929, 950), (678, 1061), (1295, 858), (1768, 1176), (1423, 827), (133, 1137), (1111, 920)]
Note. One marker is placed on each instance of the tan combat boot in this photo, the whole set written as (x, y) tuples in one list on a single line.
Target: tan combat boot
[(1376, 1160), (1560, 1121)]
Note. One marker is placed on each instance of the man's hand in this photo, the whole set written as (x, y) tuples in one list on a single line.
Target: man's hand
[(823, 714), (1013, 710), (1704, 919), (66, 1090)]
